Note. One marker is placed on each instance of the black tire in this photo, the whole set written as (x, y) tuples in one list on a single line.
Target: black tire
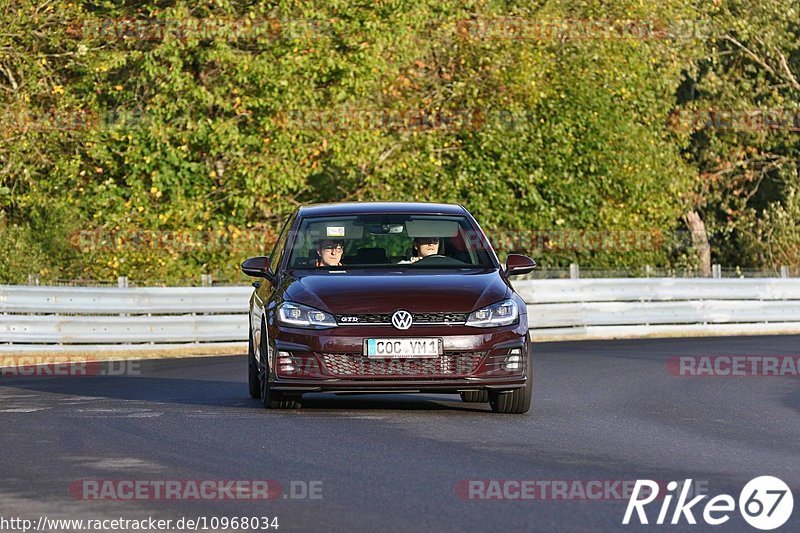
[(475, 396), (515, 401), (271, 399), (253, 384)]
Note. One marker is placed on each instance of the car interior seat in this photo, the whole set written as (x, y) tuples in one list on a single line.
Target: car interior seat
[(457, 247), (366, 256)]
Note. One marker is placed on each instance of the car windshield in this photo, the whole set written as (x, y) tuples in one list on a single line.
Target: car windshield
[(389, 241)]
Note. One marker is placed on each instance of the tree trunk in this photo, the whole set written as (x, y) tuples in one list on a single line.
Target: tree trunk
[(700, 241)]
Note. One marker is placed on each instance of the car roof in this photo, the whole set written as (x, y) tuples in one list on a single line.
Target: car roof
[(379, 208)]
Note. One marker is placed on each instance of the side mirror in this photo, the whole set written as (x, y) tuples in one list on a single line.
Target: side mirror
[(517, 264), (258, 267)]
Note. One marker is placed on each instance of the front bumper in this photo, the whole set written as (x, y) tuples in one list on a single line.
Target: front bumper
[(333, 360), (377, 386)]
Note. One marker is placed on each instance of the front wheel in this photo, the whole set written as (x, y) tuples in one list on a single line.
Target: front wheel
[(475, 396), (253, 383), (271, 399), (515, 401)]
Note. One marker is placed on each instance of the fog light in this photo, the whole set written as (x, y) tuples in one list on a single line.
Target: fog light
[(285, 362), (284, 358), (513, 362)]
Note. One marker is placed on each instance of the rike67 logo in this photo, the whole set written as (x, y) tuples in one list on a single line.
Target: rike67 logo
[(765, 503)]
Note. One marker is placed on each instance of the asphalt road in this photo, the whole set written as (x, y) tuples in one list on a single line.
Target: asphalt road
[(602, 412)]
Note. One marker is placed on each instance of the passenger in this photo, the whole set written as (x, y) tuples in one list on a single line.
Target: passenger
[(329, 252), (423, 247)]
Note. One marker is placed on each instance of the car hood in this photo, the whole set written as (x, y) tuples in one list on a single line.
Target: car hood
[(385, 292)]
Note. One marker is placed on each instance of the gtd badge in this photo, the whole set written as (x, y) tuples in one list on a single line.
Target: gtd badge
[(401, 319)]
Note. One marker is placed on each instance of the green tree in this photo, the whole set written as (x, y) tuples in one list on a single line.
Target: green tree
[(739, 107), (160, 140)]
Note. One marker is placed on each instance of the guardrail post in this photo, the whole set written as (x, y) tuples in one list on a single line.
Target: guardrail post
[(33, 279), (574, 271), (716, 271), (122, 282), (206, 280), (647, 271), (784, 271)]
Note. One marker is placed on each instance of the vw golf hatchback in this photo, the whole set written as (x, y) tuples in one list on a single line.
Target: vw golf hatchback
[(387, 298)]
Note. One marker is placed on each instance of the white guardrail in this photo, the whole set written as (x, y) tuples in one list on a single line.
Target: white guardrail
[(69, 318)]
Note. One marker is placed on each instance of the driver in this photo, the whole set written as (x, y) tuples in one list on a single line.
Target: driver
[(423, 247), (329, 252)]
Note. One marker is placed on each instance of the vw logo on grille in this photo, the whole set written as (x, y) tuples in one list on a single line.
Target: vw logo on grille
[(401, 319)]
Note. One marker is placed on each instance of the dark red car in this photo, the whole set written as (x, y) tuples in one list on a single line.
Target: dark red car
[(388, 297)]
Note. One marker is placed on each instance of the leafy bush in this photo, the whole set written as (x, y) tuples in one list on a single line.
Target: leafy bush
[(173, 138)]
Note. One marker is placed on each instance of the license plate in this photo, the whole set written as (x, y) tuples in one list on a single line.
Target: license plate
[(406, 348)]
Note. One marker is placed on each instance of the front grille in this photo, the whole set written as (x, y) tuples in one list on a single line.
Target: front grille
[(430, 318), (357, 365), (418, 319)]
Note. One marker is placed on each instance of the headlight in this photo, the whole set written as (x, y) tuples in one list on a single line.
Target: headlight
[(499, 314), (303, 316)]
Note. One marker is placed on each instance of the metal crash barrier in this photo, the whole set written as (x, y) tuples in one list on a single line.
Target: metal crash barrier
[(35, 318)]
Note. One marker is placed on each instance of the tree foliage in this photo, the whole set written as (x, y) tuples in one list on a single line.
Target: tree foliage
[(743, 94), (164, 139)]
